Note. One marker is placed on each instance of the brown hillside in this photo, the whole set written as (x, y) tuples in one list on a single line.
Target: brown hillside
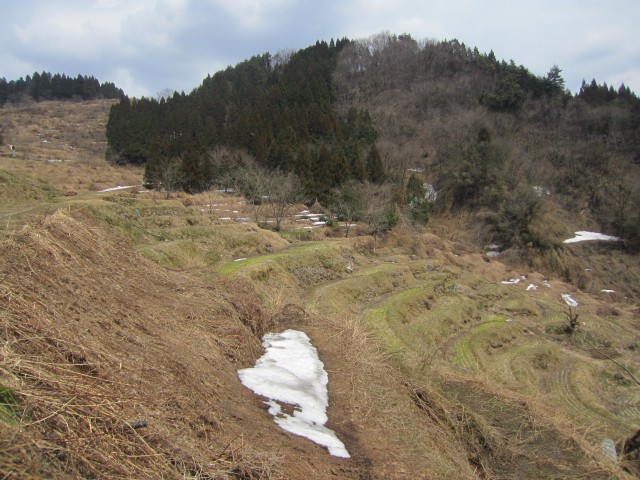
[(124, 318), (98, 338), (64, 143)]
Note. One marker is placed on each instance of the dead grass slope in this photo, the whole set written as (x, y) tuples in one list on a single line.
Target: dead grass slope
[(95, 338), (15, 187), (63, 143), (115, 367)]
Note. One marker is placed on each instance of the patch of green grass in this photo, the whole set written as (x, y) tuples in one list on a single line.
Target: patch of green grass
[(233, 266), (377, 319), (8, 405), (302, 235), (295, 256), (465, 349), (20, 187), (120, 218)]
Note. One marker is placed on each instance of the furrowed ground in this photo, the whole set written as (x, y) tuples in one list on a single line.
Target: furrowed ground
[(125, 317)]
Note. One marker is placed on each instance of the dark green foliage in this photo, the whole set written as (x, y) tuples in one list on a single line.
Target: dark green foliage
[(509, 95), (471, 173), (348, 202), (197, 171), (554, 80), (280, 110), (416, 201), (375, 168), (306, 112), (595, 94), (45, 86), (132, 127)]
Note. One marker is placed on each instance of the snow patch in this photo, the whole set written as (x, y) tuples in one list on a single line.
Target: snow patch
[(540, 191), (290, 372), (569, 300), (591, 236), (119, 187)]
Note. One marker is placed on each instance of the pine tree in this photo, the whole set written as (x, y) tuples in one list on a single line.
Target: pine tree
[(375, 168)]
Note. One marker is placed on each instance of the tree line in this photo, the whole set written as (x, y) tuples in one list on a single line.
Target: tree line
[(486, 134), (495, 140), (47, 86), (278, 108)]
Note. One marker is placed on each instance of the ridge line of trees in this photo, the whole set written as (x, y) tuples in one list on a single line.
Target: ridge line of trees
[(486, 135), (47, 86)]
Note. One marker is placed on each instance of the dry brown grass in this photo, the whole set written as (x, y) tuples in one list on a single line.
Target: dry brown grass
[(94, 337), (87, 351), (63, 143)]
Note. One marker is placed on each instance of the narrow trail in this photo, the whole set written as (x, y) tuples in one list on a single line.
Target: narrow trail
[(13, 215)]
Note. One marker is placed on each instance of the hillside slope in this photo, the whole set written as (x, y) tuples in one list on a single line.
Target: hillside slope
[(125, 317), (97, 337)]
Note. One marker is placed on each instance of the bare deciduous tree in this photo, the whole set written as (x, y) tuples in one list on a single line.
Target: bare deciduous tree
[(349, 203), (281, 191), (167, 176), (381, 212)]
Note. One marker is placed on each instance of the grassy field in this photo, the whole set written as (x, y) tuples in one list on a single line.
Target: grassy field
[(124, 306)]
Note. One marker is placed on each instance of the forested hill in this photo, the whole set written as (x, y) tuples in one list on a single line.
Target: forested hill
[(281, 109), (47, 86), (487, 133)]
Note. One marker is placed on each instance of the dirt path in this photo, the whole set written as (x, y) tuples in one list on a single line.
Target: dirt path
[(15, 214)]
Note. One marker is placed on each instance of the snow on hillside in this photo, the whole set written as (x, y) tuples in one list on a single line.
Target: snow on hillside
[(591, 236), (119, 187), (569, 300), (291, 373)]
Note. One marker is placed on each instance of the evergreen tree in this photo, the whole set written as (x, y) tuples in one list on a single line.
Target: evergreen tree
[(375, 168), (415, 199), (554, 80)]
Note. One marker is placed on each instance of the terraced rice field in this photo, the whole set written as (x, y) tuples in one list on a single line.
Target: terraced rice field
[(445, 323)]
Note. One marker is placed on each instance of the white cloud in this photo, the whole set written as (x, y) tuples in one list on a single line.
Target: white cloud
[(252, 14), (14, 68), (169, 43), (123, 78), (87, 31)]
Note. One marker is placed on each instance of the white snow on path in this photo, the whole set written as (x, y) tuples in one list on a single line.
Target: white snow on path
[(590, 236), (569, 300), (111, 189), (290, 372)]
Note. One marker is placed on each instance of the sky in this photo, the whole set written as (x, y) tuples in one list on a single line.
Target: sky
[(291, 373), (148, 46)]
